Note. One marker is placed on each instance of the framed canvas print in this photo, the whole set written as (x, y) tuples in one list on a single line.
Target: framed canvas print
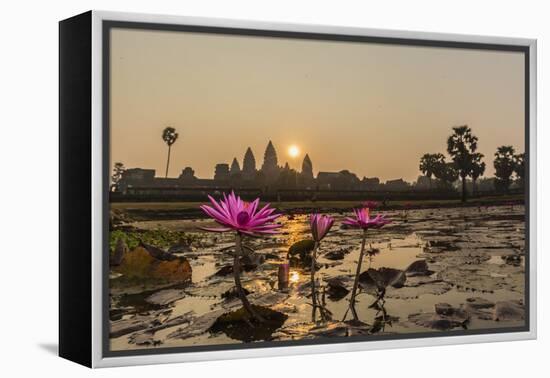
[(232, 189)]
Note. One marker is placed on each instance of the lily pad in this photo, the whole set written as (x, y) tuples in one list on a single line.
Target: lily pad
[(240, 326), (444, 318), (418, 268), (165, 297), (197, 326), (300, 252), (233, 293), (338, 254), (382, 278), (479, 303), (337, 287), (509, 311)]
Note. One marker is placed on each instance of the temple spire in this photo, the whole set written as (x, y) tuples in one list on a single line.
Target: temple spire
[(249, 164), (307, 167), (235, 168), (270, 159)]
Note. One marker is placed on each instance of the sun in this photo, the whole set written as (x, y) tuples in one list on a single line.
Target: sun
[(293, 151)]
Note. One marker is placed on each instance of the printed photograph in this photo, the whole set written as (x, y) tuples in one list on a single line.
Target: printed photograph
[(276, 189)]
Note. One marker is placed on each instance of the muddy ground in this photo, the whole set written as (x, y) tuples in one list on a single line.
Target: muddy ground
[(474, 278)]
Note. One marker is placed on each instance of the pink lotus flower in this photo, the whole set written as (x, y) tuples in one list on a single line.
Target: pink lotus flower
[(370, 204), (364, 221), (320, 225), (234, 214)]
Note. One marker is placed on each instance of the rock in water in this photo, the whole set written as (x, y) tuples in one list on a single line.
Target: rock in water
[(151, 268)]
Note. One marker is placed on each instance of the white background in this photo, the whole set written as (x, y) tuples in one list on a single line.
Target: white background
[(29, 189)]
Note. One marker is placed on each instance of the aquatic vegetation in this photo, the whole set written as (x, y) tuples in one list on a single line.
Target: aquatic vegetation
[(301, 251), (363, 221), (149, 267), (236, 324), (242, 218), (161, 238), (419, 267), (320, 226)]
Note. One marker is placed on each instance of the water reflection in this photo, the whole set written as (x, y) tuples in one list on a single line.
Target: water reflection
[(295, 229), (482, 255), (294, 277)]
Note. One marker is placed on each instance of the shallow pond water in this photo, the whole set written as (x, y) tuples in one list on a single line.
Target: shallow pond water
[(475, 258)]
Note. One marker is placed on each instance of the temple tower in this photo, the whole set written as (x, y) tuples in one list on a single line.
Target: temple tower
[(307, 168), (235, 168), (270, 159), (249, 164), (221, 172)]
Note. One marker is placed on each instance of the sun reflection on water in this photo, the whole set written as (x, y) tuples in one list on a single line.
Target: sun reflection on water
[(296, 229), (294, 277)]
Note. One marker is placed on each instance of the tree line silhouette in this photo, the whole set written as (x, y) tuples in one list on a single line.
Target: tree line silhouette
[(467, 162)]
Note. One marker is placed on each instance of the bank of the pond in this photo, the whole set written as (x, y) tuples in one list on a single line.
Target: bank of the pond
[(191, 210)]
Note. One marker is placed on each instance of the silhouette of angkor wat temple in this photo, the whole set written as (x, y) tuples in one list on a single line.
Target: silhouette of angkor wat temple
[(270, 177)]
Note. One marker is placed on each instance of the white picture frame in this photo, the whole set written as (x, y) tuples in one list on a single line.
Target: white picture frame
[(99, 357)]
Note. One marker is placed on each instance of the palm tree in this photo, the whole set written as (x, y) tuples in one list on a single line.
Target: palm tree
[(430, 163), (118, 171), (462, 145), (478, 169), (519, 168), (504, 167), (169, 136), (447, 173)]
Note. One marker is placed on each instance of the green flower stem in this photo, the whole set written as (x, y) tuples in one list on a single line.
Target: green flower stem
[(237, 276), (357, 273), (313, 290)]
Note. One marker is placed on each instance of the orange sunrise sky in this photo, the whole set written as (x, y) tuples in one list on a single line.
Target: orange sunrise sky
[(370, 108)]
